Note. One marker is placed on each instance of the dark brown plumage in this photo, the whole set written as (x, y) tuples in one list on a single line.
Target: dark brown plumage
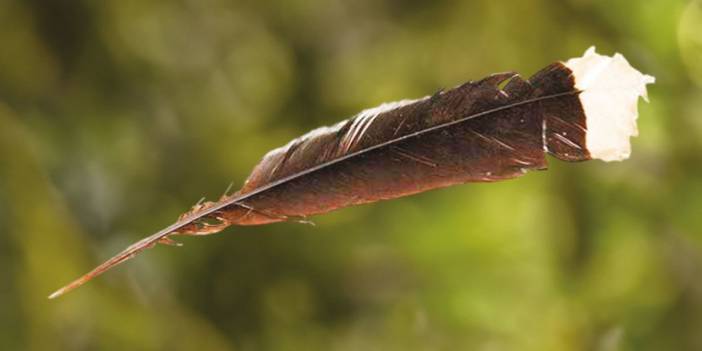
[(476, 132)]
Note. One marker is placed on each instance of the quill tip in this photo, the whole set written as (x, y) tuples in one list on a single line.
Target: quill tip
[(63, 290), (72, 285)]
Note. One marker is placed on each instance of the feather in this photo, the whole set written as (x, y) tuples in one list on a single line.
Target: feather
[(476, 132)]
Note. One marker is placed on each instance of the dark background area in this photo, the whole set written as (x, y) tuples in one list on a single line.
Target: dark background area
[(117, 116)]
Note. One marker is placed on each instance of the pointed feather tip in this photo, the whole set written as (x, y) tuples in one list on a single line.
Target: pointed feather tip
[(611, 88), (82, 280), (67, 288), (56, 294)]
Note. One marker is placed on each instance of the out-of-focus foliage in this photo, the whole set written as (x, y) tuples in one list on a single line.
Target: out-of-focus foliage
[(116, 116)]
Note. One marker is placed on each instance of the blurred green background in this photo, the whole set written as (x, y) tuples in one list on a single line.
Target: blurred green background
[(117, 116)]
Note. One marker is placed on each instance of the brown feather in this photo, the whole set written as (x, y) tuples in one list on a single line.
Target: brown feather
[(476, 132)]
